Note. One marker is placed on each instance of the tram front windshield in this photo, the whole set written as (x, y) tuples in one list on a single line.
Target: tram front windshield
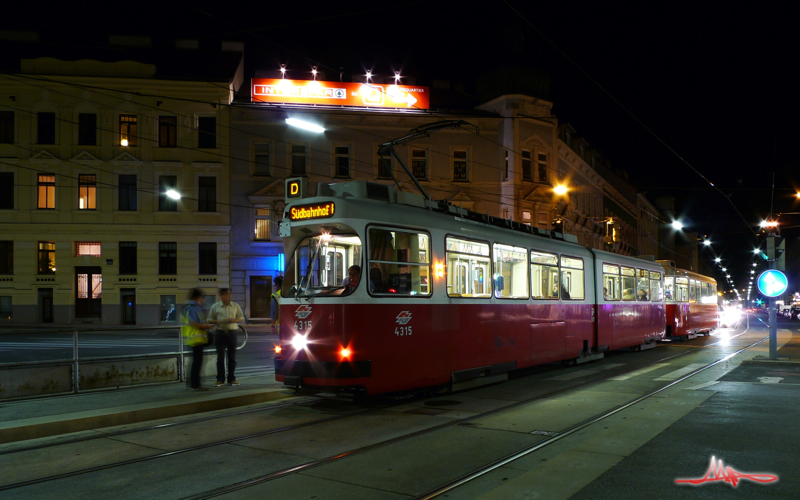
[(320, 265)]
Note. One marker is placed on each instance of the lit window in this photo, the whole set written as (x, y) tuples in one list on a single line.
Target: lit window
[(47, 257), (91, 249), (262, 224), (87, 191), (127, 130), (47, 191)]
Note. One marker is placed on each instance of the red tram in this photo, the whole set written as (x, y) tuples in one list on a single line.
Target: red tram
[(387, 291), (691, 302)]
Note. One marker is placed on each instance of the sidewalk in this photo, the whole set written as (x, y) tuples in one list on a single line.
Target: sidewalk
[(42, 417)]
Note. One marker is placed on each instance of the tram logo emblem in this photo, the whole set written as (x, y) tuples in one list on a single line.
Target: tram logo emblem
[(404, 317), (303, 312), (717, 471)]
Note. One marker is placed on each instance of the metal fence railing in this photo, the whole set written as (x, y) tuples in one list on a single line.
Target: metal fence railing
[(10, 343)]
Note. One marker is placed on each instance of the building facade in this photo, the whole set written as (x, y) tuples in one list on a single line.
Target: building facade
[(88, 151)]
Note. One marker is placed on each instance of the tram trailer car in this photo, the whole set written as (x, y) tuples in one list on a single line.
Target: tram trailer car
[(445, 296), (691, 302)]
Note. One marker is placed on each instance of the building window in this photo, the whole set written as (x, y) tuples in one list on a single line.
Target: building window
[(262, 158), (6, 190), (207, 194), (567, 138), (90, 249), (87, 191), (542, 220), (384, 168), (127, 257), (168, 309), (526, 217), (166, 183), (527, 168), (6, 257), (5, 307), (47, 257), (127, 130), (167, 131), (167, 258), (592, 161), (419, 163), (207, 132), (342, 161), (298, 160), (580, 150), (505, 167), (207, 257), (87, 129), (262, 224), (127, 192), (542, 161), (47, 191), (460, 172), (6, 127), (46, 128)]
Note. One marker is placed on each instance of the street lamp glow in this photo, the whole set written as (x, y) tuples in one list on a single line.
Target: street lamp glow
[(173, 194), (720, 260), (311, 127), (757, 251), (677, 225), (707, 243), (754, 264), (560, 189), (724, 269)]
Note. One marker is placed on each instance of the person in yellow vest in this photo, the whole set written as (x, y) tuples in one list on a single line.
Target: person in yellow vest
[(274, 306), (194, 331)]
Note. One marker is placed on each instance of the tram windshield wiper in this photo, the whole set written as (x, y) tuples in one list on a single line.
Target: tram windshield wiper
[(306, 279)]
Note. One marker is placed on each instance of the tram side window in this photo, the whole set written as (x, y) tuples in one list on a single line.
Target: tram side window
[(610, 282), (655, 286), (544, 275), (682, 289), (572, 278), (510, 272), (399, 262), (669, 288), (628, 283), (642, 284), (692, 291), (468, 268)]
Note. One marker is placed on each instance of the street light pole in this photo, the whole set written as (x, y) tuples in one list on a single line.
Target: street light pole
[(773, 312)]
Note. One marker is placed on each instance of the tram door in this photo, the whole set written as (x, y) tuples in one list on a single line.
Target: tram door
[(334, 267), (88, 292)]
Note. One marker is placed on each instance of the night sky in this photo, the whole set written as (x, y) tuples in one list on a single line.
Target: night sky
[(714, 83)]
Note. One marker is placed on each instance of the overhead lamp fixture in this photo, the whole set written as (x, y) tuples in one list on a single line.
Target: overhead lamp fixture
[(560, 189), (283, 70), (314, 72), (173, 194), (707, 243), (369, 75), (677, 225), (311, 127), (397, 81), (717, 260)]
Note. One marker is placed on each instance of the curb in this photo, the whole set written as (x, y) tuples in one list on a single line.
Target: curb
[(33, 428), (760, 360)]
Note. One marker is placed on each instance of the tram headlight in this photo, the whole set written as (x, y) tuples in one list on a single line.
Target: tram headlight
[(299, 342), (344, 353), (278, 349)]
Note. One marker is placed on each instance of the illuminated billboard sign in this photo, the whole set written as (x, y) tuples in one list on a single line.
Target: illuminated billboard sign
[(372, 95), (315, 211)]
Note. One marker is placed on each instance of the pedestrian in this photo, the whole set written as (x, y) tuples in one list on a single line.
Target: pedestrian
[(226, 315), (275, 306), (194, 330)]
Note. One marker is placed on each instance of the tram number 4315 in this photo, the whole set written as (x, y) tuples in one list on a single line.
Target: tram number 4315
[(302, 325), (402, 330)]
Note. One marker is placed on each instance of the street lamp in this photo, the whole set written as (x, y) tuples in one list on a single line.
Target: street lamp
[(677, 225), (311, 127)]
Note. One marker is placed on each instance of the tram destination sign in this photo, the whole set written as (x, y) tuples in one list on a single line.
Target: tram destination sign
[(371, 95), (313, 211)]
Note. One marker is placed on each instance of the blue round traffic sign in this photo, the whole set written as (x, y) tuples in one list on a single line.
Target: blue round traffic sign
[(772, 283)]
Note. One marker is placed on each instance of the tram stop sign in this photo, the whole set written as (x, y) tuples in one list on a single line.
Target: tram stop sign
[(772, 283)]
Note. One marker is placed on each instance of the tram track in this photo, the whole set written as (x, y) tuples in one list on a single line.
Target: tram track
[(315, 463)]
